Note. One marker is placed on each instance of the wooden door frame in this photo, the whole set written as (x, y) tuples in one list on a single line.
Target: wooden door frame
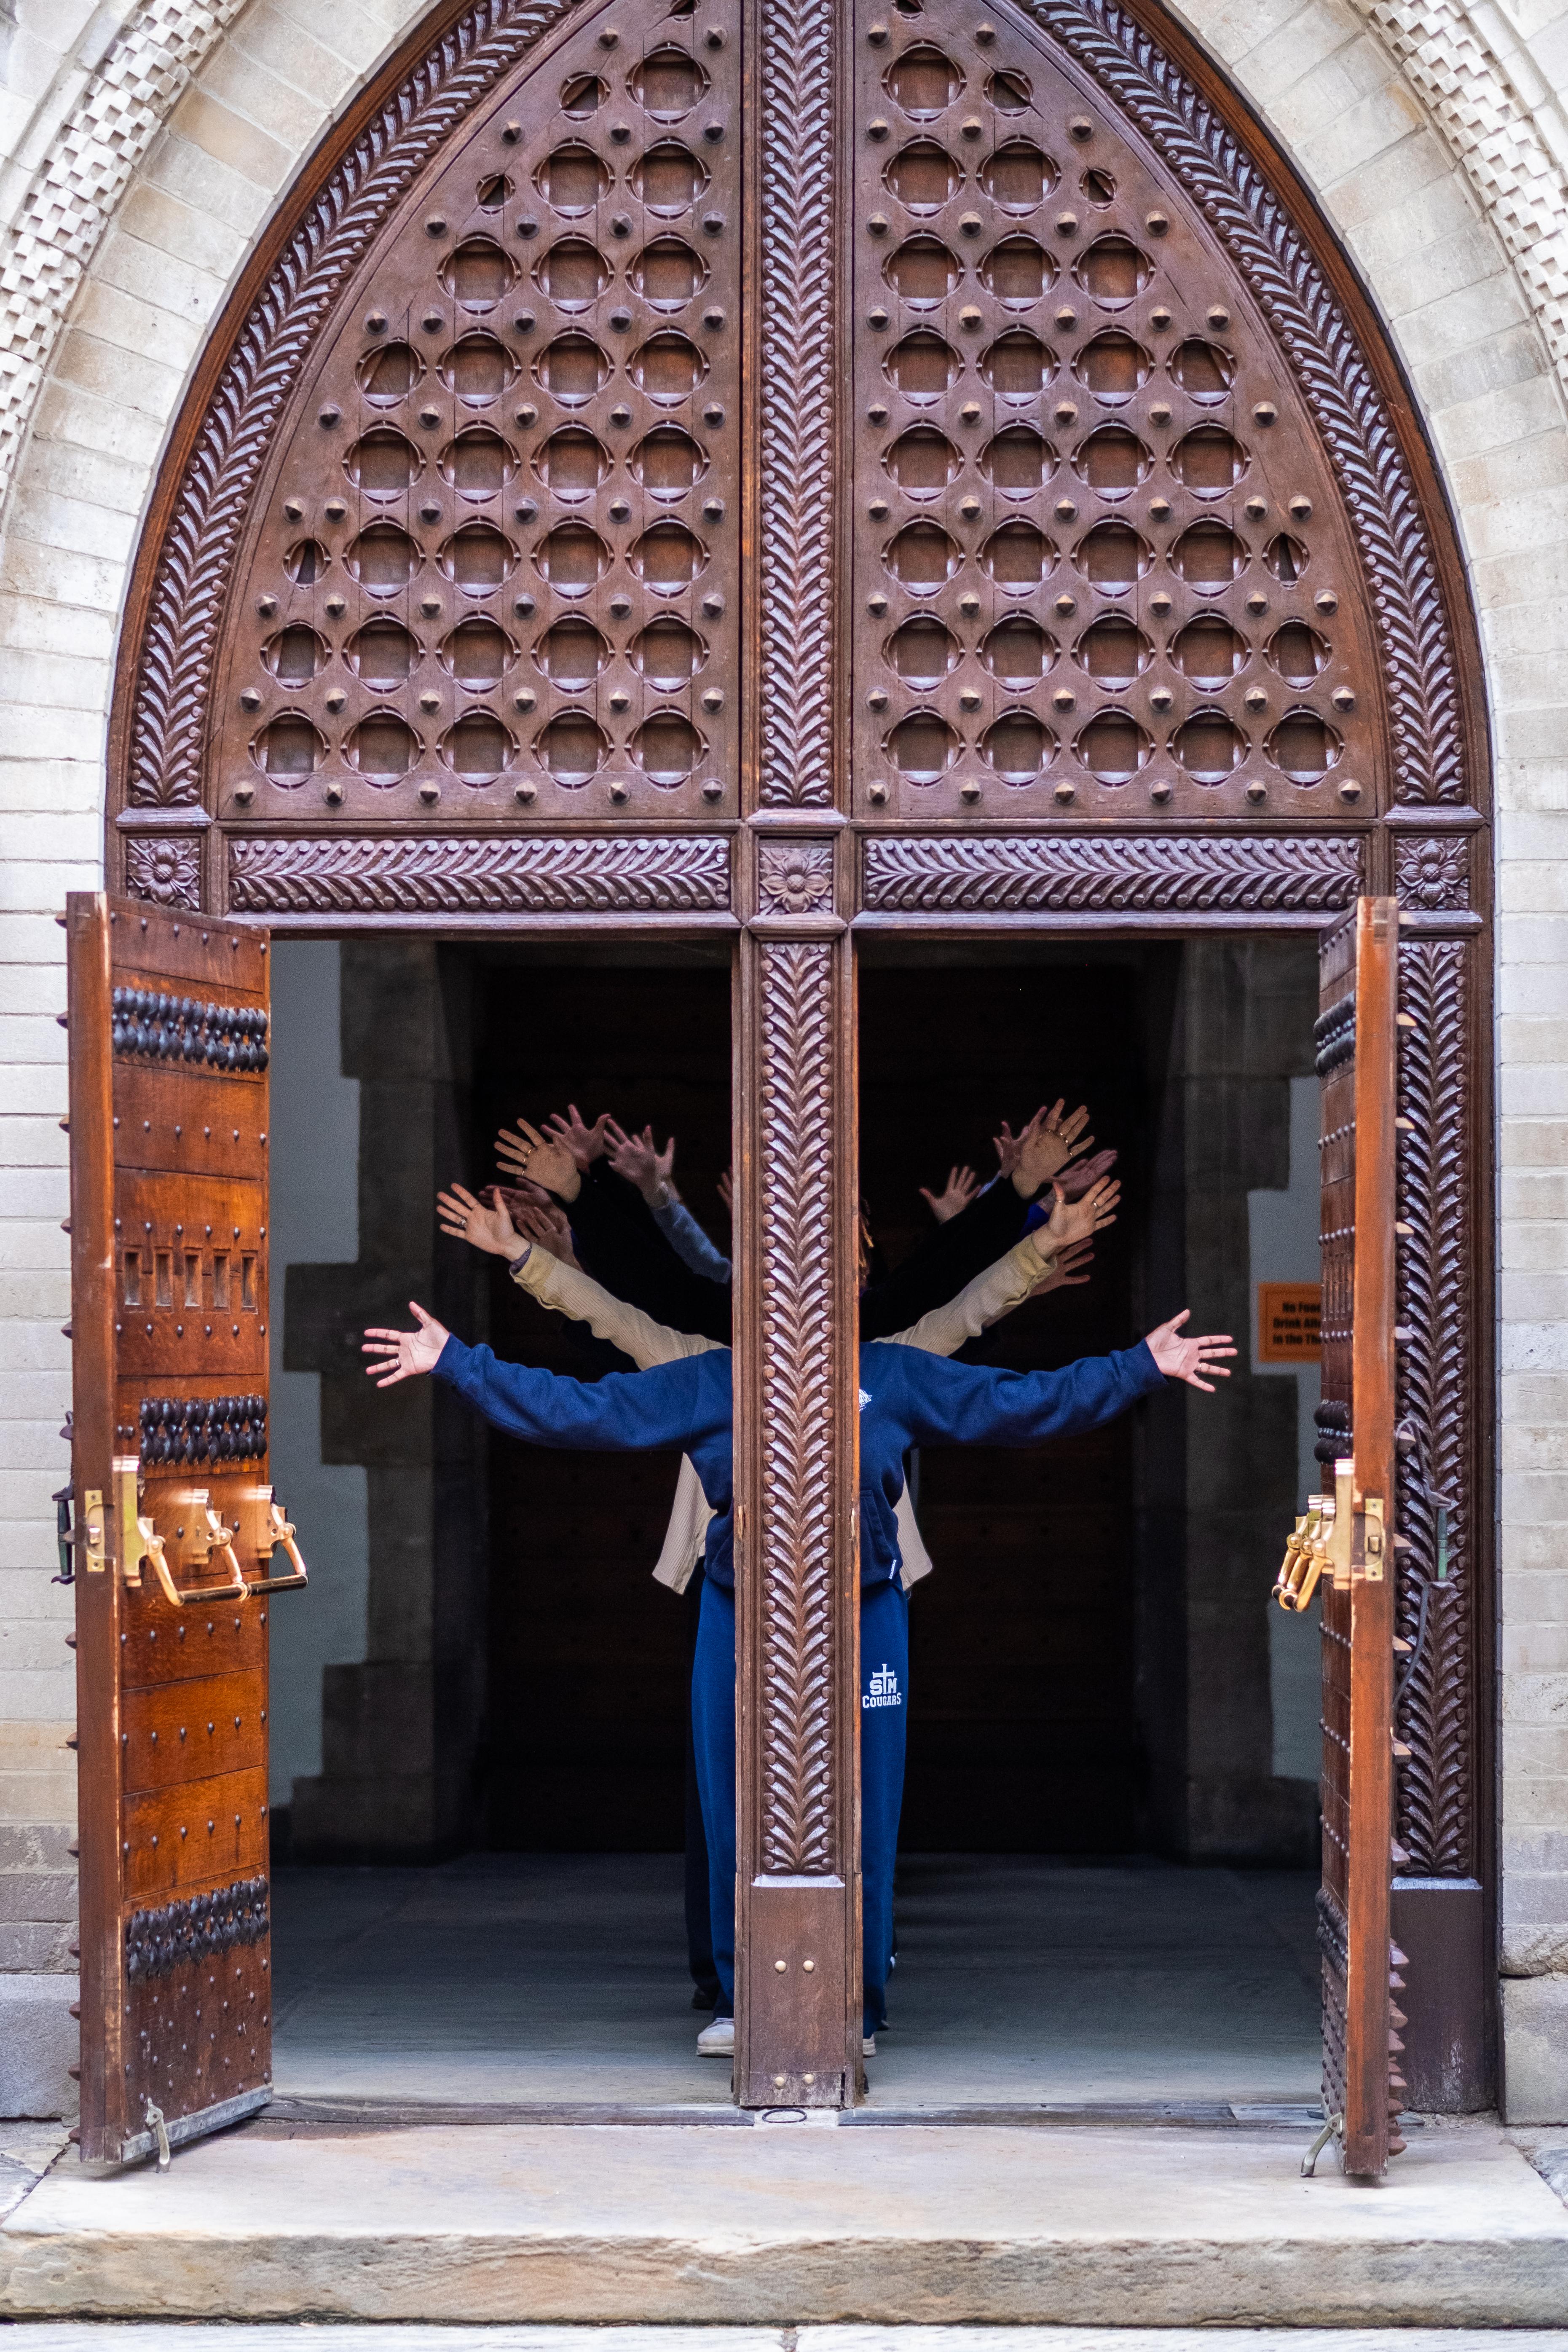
[(805, 869)]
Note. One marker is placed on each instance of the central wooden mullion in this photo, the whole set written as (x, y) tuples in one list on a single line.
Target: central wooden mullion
[(797, 1953), (798, 1965)]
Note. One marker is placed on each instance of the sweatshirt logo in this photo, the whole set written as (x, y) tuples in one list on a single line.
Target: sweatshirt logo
[(884, 1690)]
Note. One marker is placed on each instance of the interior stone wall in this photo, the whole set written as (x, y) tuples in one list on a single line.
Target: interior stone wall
[(143, 146)]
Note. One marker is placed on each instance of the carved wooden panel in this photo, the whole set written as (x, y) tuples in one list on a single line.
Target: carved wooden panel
[(798, 380), (1266, 874), (490, 563), (169, 1225), (797, 1951), (1437, 1404), (686, 874), (1101, 559)]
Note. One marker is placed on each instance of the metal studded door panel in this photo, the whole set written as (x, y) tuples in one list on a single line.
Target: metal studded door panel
[(1101, 566), (1356, 1060), (491, 569), (175, 1528)]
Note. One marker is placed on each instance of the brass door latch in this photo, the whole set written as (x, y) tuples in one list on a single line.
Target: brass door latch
[(1304, 1556), (275, 1533), (144, 1544), (1333, 1534)]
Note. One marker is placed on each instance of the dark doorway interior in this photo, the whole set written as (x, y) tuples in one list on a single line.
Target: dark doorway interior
[(588, 1657), (1023, 1728)]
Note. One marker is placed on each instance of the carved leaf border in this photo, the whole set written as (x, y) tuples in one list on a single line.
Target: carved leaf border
[(1407, 600), (947, 874), (495, 874), (195, 559), (1437, 1826), (798, 1776), (796, 385)]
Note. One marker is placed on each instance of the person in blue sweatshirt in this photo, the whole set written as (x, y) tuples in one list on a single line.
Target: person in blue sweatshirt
[(907, 1398)]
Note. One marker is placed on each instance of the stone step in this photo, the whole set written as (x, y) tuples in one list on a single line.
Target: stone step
[(790, 2225)]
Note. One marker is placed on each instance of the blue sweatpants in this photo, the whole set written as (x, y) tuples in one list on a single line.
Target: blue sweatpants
[(884, 1714)]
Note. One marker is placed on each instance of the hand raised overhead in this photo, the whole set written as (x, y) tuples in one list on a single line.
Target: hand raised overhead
[(638, 1158), (1188, 1360), (1074, 1220), (545, 1221), (488, 1226), (1051, 1139), (1074, 1182), (542, 1159), (956, 1196), (402, 1355), (1068, 1273), (585, 1143)]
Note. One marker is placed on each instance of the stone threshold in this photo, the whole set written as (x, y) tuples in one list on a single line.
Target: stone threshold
[(530, 2224)]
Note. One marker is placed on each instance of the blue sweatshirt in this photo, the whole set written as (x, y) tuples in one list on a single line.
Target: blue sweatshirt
[(907, 1398)]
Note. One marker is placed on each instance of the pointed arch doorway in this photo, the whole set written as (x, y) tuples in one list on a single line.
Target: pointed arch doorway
[(798, 476)]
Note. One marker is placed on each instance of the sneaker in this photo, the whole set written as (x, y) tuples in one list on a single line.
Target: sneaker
[(868, 2047), (718, 2040)]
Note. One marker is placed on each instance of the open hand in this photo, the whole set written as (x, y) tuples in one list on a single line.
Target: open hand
[(1187, 1359), (638, 1158), (541, 1159), (1074, 1182), (956, 1193), (1074, 1220), (585, 1143), (1065, 1274), (466, 1218), (544, 1221), (401, 1355), (1051, 1139)]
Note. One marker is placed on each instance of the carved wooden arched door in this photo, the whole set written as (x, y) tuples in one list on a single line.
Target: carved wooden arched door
[(795, 471)]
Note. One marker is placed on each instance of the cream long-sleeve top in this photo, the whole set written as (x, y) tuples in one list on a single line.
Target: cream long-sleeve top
[(568, 1291)]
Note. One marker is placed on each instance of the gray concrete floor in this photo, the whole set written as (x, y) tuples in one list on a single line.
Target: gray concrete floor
[(545, 1978)]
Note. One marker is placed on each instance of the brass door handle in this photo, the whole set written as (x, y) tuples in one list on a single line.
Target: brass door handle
[(1305, 1553), (280, 1528), (148, 1545)]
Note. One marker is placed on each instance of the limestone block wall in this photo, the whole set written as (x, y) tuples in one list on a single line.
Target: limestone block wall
[(143, 144)]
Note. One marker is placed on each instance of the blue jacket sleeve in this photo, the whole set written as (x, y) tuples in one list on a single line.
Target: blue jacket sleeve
[(979, 1405), (690, 1244), (622, 1413)]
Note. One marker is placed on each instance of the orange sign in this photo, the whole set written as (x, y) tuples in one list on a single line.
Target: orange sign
[(1287, 1322)]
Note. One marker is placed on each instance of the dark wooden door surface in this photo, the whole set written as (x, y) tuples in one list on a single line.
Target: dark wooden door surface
[(176, 1536), (1356, 1058)]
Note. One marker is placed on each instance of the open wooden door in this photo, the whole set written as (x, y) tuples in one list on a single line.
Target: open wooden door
[(1358, 1013), (175, 1528)]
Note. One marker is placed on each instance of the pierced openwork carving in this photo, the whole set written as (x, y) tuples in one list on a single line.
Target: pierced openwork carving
[(1436, 1394), (942, 874), (523, 415), (494, 873), (1102, 561), (799, 1781), (1420, 676)]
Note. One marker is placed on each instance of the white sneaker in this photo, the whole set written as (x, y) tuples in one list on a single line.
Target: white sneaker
[(718, 2040), (868, 2047)]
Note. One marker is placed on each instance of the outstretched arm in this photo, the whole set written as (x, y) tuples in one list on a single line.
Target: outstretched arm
[(626, 1412), (974, 1404)]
